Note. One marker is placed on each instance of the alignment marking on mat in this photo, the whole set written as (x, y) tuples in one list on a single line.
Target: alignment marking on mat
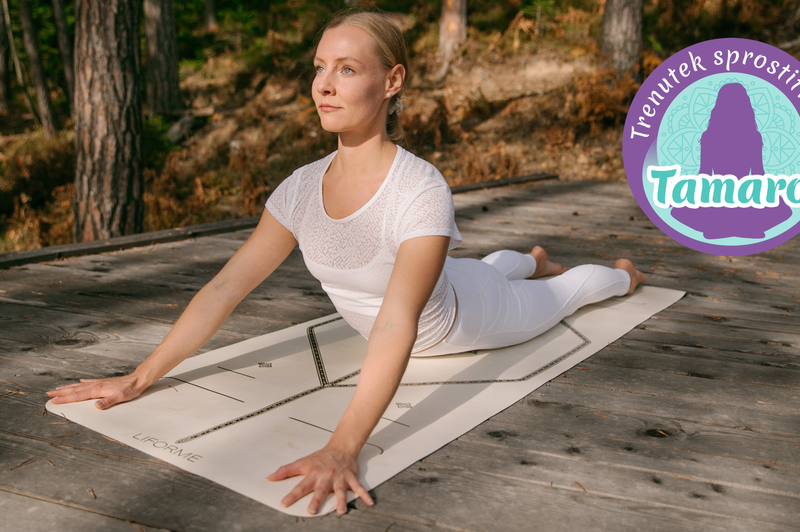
[(253, 414), (529, 376), (238, 373), (393, 421), (323, 378), (312, 340), (331, 432), (204, 388)]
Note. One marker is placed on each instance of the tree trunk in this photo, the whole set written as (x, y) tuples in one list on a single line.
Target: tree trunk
[(29, 36), (209, 19), (108, 120), (5, 64), (163, 92), (621, 36), (65, 47), (452, 27)]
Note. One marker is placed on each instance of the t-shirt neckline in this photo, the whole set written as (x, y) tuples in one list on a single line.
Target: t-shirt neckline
[(364, 207)]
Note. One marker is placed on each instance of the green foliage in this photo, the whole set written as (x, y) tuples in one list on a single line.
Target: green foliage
[(155, 144)]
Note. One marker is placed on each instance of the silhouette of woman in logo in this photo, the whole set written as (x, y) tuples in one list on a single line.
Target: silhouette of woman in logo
[(731, 145)]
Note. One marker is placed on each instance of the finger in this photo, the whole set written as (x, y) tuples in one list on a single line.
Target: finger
[(320, 492), (78, 394), (359, 490), (67, 388), (286, 471), (340, 492), (111, 400), (304, 487)]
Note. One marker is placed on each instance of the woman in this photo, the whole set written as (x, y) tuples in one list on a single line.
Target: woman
[(740, 155), (374, 224)]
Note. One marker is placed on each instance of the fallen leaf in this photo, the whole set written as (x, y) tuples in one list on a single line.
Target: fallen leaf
[(764, 403), (601, 415), (90, 491), (67, 435), (38, 293), (579, 485), (49, 462), (578, 367), (137, 527), (662, 432)]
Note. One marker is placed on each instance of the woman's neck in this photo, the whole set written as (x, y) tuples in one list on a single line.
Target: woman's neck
[(363, 158)]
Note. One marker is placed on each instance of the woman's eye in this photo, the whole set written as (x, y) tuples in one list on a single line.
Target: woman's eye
[(347, 70), (319, 69)]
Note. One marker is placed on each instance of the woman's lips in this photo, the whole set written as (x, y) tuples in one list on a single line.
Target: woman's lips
[(328, 108)]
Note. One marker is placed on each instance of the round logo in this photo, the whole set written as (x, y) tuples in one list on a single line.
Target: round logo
[(712, 147)]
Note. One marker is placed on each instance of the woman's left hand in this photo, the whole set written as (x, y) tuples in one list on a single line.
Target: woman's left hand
[(327, 470)]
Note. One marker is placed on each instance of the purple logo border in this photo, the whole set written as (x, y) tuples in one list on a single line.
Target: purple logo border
[(633, 155)]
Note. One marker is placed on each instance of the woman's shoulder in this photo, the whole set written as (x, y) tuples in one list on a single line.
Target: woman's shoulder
[(417, 173)]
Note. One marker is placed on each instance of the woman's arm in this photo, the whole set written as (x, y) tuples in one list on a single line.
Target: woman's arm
[(334, 468), (258, 257)]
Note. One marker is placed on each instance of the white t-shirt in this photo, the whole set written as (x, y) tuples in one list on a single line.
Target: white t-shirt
[(353, 257)]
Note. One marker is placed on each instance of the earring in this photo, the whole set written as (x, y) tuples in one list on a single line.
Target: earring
[(388, 94)]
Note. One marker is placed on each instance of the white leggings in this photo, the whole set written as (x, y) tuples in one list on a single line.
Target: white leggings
[(498, 306)]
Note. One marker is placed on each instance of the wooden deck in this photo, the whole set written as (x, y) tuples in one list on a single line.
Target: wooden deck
[(691, 421)]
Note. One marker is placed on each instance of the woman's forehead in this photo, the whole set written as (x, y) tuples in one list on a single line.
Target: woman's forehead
[(347, 42)]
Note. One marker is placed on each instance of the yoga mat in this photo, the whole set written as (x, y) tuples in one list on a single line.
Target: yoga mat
[(235, 414)]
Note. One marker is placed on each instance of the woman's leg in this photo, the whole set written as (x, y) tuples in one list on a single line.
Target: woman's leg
[(512, 264), (494, 312), (515, 265)]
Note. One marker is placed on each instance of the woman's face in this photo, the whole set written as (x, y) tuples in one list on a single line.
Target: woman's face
[(350, 86)]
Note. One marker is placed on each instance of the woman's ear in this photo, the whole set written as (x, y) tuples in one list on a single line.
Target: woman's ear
[(395, 78)]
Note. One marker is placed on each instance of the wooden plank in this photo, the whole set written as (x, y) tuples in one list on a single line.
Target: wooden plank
[(23, 512), (686, 494), (722, 331), (719, 357), (701, 427), (631, 453), (478, 500), (90, 334), (743, 397), (17, 258), (678, 338), (782, 376)]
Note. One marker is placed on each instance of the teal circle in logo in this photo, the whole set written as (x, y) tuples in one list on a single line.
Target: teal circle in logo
[(686, 119)]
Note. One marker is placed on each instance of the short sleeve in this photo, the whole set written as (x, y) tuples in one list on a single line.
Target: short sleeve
[(280, 203), (430, 213)]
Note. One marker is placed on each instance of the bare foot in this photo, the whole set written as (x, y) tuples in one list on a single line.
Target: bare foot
[(545, 267), (636, 276)]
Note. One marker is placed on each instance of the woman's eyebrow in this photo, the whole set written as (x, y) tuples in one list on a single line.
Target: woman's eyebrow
[(347, 59)]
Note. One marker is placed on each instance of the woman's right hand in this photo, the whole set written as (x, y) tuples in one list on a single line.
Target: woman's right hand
[(110, 391)]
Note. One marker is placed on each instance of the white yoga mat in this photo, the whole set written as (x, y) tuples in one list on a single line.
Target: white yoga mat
[(234, 415)]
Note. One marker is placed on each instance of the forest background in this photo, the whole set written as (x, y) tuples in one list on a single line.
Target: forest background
[(528, 91)]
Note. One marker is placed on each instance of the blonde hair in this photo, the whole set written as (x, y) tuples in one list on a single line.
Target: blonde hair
[(390, 48)]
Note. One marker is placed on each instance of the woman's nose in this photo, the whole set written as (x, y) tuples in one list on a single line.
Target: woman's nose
[(324, 84)]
